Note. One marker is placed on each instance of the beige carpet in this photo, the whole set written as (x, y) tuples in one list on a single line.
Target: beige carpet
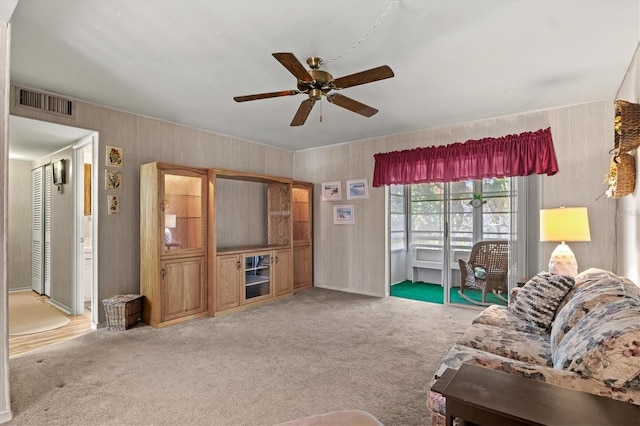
[(316, 352), (27, 315)]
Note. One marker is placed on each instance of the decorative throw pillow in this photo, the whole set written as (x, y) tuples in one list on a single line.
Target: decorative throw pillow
[(540, 297), (480, 273)]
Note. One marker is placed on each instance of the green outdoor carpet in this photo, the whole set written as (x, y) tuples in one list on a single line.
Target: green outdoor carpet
[(434, 293)]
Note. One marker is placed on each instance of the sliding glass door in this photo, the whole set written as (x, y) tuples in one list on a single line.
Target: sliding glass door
[(436, 224)]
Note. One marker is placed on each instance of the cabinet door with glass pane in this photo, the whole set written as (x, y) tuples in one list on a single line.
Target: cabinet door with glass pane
[(302, 208), (173, 243), (183, 211), (257, 277)]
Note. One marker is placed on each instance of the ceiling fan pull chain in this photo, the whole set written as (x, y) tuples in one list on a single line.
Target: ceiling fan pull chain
[(321, 111), (365, 35)]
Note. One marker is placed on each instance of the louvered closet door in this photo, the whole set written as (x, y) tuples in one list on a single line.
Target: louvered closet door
[(48, 184), (37, 230)]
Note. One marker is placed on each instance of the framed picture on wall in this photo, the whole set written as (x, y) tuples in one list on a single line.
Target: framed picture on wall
[(357, 189), (113, 204), (332, 191), (115, 156), (343, 214), (112, 180)]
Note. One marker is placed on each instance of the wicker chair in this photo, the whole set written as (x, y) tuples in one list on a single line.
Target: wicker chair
[(486, 269)]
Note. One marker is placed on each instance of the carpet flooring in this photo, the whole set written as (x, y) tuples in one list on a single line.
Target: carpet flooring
[(315, 352), (28, 315), (434, 293)]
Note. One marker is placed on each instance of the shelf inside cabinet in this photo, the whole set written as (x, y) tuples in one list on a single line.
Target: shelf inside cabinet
[(257, 268), (255, 280)]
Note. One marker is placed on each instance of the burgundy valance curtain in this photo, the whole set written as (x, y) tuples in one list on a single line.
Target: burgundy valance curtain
[(513, 155)]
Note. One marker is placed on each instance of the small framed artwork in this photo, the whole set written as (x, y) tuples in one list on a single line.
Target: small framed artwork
[(332, 191), (113, 204), (357, 189), (343, 214), (115, 156), (112, 180)]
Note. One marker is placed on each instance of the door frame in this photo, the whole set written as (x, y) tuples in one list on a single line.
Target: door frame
[(78, 258)]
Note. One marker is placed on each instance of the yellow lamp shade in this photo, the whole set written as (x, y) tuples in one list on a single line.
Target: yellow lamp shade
[(564, 224)]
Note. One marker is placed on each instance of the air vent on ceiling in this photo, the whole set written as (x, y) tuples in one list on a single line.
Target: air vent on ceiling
[(44, 102)]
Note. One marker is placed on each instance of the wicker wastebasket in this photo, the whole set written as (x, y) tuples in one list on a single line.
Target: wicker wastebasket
[(123, 311)]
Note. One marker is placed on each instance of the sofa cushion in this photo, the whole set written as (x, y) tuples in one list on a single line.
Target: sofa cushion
[(458, 354), (512, 344), (501, 316), (540, 297), (605, 345), (583, 299)]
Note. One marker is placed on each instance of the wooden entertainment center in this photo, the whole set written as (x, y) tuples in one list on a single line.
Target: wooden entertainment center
[(184, 271)]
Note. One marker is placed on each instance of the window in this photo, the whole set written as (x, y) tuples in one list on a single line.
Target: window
[(496, 213), (427, 214), (467, 224), (398, 217)]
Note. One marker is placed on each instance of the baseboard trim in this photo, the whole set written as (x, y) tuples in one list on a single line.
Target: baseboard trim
[(350, 290), (5, 416), (18, 290), (60, 306)]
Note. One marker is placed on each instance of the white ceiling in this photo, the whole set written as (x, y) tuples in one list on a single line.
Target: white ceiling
[(454, 61)]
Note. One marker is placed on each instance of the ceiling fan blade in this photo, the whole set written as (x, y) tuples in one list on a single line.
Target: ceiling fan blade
[(351, 105), (294, 66), (363, 77), (265, 95), (303, 112)]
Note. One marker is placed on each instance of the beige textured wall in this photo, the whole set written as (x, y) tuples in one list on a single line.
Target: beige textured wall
[(240, 218), (62, 244), (146, 140), (351, 257), (628, 207), (19, 232)]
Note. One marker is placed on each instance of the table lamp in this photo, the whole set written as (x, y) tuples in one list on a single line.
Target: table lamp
[(564, 224), (169, 224)]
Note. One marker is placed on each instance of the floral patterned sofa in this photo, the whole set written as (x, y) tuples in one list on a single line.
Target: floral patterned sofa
[(581, 333)]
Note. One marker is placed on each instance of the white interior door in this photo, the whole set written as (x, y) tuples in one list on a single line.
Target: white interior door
[(48, 183), (37, 230)]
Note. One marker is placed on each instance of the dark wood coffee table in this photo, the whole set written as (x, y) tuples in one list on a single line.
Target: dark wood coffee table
[(488, 397)]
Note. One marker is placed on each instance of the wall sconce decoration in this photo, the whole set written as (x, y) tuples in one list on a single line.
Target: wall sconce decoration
[(621, 179), (626, 126), (59, 175), (564, 224)]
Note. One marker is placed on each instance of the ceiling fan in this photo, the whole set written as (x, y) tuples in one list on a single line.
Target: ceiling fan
[(317, 83)]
